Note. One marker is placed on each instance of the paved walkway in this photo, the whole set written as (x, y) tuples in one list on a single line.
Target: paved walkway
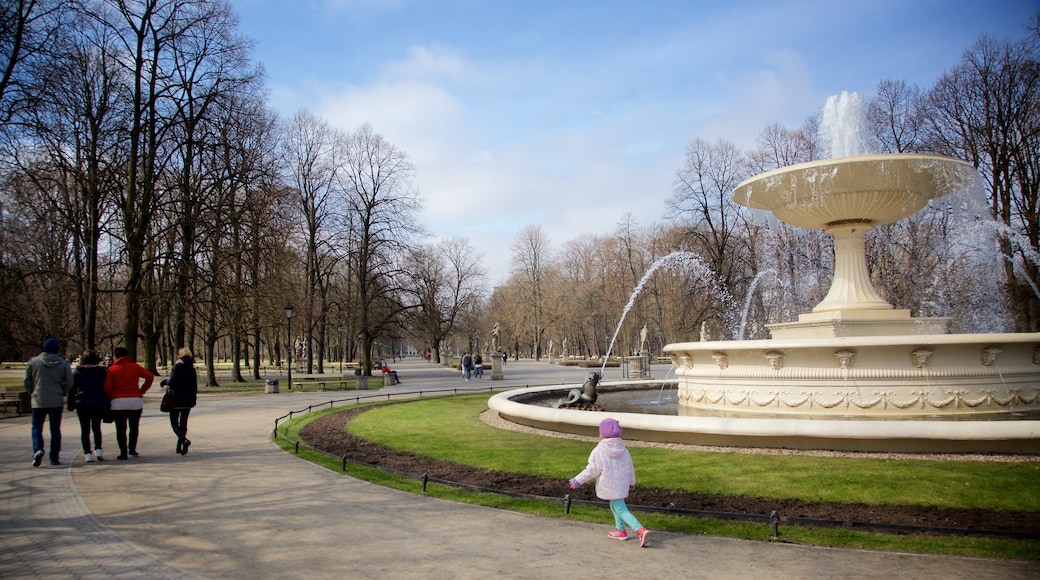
[(238, 507)]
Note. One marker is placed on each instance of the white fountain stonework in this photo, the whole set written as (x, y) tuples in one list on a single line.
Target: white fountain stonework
[(855, 356), (855, 373)]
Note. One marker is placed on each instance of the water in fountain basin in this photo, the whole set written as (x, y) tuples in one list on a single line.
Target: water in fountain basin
[(666, 385), (644, 401)]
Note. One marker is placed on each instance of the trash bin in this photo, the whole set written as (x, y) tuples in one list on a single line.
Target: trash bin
[(362, 382), (271, 386)]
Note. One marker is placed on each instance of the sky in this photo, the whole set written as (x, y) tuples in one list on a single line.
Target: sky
[(572, 114)]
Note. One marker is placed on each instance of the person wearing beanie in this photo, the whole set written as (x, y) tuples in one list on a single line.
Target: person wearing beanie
[(125, 393), (48, 379), (610, 464)]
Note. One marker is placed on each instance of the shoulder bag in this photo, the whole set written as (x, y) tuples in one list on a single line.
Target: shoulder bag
[(167, 401)]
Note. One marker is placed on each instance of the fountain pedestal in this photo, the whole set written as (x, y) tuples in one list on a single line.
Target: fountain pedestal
[(853, 306)]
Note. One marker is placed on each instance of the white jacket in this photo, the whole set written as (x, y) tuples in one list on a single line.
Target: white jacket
[(611, 466)]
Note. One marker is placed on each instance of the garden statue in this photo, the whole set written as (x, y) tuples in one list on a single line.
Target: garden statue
[(584, 398)]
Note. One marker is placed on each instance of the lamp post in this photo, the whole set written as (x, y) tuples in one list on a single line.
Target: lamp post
[(288, 343)]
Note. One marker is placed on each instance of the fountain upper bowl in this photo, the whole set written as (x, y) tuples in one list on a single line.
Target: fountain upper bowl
[(871, 189)]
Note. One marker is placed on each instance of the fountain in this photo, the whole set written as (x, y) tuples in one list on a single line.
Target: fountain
[(856, 373)]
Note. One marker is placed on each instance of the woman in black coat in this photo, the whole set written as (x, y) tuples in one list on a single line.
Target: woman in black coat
[(88, 385), (184, 384)]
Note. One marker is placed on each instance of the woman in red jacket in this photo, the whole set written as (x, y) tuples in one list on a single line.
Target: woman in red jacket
[(125, 391)]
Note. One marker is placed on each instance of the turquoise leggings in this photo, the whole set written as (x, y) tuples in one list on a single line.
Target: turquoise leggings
[(622, 516)]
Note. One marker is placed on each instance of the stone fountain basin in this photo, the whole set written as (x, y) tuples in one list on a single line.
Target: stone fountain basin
[(874, 189), (937, 436), (955, 375)]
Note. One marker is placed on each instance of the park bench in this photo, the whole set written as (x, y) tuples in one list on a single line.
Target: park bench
[(323, 383), (299, 384), (14, 400)]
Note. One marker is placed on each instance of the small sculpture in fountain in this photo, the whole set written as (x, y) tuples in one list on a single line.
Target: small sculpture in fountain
[(583, 399)]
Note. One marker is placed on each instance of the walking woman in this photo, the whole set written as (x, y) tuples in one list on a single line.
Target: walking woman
[(125, 393), (88, 383), (185, 386)]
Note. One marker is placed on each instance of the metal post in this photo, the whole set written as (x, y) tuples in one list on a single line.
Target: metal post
[(288, 342)]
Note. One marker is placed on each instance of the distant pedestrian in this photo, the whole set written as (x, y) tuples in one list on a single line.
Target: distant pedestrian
[(467, 365), (107, 360), (126, 398), (478, 366), (184, 383), (88, 385), (610, 464), (505, 357), (48, 378)]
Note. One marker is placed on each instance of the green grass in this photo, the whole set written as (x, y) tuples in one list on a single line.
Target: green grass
[(421, 428), (450, 428)]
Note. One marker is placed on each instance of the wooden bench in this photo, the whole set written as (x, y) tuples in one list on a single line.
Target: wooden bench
[(324, 385), (14, 400)]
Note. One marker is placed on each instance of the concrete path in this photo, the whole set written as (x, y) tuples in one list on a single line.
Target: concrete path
[(238, 507)]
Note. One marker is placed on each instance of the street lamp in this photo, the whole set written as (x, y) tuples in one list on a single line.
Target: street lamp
[(288, 341)]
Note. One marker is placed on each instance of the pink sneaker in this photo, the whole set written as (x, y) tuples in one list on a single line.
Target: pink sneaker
[(642, 533), (618, 535)]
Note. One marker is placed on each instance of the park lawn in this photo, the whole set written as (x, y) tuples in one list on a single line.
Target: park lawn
[(434, 428), (450, 429)]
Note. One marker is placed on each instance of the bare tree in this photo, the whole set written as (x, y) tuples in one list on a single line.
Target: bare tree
[(29, 30), (209, 68), (532, 261), (151, 35), (986, 110), (377, 182), (313, 154), (895, 117), (76, 125), (582, 303), (716, 228), (447, 282)]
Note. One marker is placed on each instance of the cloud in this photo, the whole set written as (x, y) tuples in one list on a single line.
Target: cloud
[(487, 161)]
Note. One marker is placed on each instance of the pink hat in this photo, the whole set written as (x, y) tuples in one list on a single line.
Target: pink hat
[(609, 428)]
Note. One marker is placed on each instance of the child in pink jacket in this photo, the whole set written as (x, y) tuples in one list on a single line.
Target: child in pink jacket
[(610, 465)]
